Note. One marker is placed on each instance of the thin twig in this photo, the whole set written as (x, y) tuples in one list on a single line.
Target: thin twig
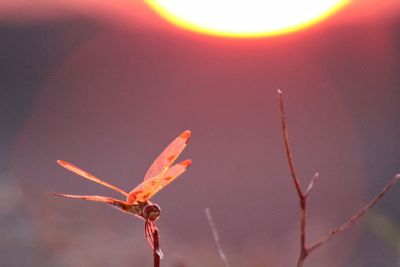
[(287, 148), (304, 249), (301, 195), (314, 180), (216, 237), (356, 216), (156, 248)]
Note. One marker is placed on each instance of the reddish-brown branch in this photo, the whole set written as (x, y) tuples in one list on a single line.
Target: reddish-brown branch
[(295, 180), (303, 232), (152, 236), (156, 248), (356, 216), (287, 148), (304, 250)]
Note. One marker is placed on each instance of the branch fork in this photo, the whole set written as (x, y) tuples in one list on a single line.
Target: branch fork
[(305, 249)]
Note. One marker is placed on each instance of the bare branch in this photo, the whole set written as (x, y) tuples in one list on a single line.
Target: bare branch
[(303, 232), (357, 215), (296, 183), (156, 248), (313, 181), (304, 249), (287, 148), (216, 237)]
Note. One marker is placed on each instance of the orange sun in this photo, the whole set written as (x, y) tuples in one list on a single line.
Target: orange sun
[(245, 18)]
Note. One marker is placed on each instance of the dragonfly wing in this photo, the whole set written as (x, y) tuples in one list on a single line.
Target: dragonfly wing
[(149, 188), (89, 176), (91, 198), (119, 204), (170, 175), (168, 156)]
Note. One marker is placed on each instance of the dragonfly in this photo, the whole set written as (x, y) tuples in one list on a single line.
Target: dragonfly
[(137, 201)]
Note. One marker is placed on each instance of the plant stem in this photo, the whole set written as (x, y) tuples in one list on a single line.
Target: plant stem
[(216, 237), (156, 248), (296, 183), (304, 249), (356, 216)]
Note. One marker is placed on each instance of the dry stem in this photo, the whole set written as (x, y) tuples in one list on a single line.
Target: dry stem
[(301, 195), (216, 237), (304, 249), (156, 248), (356, 216)]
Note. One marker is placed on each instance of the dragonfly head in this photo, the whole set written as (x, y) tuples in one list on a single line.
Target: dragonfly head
[(151, 212)]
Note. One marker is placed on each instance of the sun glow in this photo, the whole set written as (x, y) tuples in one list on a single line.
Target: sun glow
[(245, 18)]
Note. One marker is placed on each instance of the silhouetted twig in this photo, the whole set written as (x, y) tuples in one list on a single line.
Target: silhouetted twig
[(287, 148), (304, 249), (152, 236), (156, 248), (301, 195), (216, 237), (356, 216)]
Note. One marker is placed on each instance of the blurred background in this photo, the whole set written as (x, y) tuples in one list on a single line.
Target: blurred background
[(107, 85)]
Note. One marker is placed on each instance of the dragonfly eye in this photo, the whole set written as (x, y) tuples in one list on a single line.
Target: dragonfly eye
[(151, 212)]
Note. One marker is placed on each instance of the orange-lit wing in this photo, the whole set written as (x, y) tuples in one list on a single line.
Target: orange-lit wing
[(119, 204), (168, 156), (149, 188), (91, 198), (170, 175), (89, 176)]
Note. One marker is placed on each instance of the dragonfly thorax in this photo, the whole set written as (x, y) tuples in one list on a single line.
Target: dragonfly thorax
[(146, 210)]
